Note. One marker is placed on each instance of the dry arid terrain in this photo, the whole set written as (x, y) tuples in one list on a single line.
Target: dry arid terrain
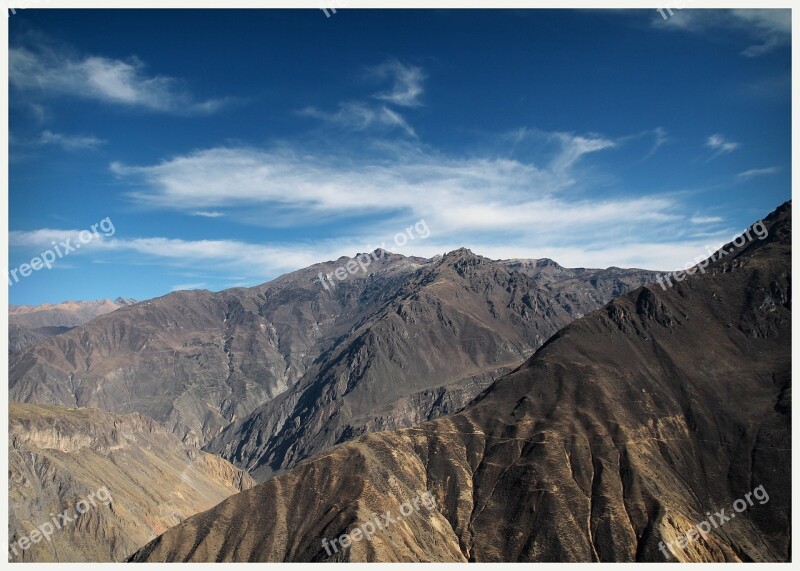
[(641, 408), (622, 431), (411, 285), (58, 456), (270, 375)]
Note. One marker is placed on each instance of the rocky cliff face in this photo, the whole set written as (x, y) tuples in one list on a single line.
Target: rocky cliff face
[(279, 360), (142, 479), (454, 319), (625, 430)]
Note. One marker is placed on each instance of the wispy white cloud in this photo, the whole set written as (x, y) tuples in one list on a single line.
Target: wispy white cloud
[(407, 87), (357, 116), (463, 194), (63, 242), (773, 28), (493, 204), (70, 142), (720, 145), (573, 147), (499, 207), (407, 83), (229, 255), (50, 72), (758, 172), (40, 238), (706, 220), (207, 213), (770, 88), (661, 138), (566, 149), (767, 28), (252, 262)]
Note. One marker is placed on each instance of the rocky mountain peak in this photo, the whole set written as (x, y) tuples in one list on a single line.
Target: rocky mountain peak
[(546, 263)]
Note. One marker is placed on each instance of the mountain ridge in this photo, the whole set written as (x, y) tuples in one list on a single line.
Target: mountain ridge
[(620, 433), (228, 353)]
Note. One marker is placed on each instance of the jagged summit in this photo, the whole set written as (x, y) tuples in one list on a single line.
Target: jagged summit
[(461, 253), (463, 258)]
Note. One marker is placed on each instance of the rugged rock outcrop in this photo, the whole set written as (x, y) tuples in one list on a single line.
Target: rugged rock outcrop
[(626, 429), (140, 477)]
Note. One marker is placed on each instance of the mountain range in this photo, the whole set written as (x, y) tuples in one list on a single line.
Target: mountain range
[(27, 325), (636, 410), (267, 376), (622, 433)]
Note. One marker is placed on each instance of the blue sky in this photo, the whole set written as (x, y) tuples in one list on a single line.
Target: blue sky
[(228, 147)]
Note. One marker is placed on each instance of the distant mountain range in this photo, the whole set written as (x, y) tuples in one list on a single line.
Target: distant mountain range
[(270, 375), (623, 432), (27, 325)]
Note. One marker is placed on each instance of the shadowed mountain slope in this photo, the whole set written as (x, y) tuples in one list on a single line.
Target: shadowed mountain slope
[(20, 337), (59, 456), (625, 429)]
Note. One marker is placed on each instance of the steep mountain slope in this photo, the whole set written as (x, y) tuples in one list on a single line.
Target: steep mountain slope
[(626, 429), (142, 479), (455, 326), (196, 360), (21, 337), (29, 325), (199, 361)]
